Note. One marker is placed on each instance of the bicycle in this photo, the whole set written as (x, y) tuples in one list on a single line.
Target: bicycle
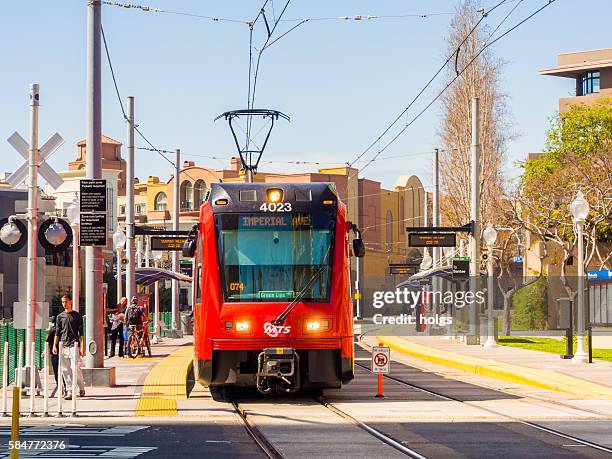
[(138, 340)]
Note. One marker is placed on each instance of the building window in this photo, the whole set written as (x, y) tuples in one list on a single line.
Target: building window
[(122, 210), (199, 193), (161, 201), (389, 228), (590, 83), (141, 209), (186, 196)]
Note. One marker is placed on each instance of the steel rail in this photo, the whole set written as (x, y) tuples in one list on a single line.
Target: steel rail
[(256, 434), (497, 413), (388, 440)]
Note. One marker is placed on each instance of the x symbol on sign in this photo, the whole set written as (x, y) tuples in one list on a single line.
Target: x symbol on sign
[(47, 172)]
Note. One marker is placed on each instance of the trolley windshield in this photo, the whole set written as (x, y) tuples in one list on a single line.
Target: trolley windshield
[(273, 257)]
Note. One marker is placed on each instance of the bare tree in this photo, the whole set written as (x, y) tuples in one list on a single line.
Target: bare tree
[(480, 79)]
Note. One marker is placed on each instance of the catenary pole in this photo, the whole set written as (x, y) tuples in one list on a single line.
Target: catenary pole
[(94, 261), (475, 206), (130, 248), (175, 227), (32, 216)]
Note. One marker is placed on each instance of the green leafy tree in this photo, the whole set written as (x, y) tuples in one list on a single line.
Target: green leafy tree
[(577, 156)]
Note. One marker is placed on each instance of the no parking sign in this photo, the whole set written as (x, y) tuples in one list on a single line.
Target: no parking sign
[(381, 359)]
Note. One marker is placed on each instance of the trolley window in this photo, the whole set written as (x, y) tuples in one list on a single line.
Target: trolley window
[(271, 258)]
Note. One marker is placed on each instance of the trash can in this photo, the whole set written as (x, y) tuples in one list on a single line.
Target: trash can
[(187, 323)]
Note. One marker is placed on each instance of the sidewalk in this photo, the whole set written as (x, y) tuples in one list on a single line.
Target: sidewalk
[(123, 399), (533, 368)]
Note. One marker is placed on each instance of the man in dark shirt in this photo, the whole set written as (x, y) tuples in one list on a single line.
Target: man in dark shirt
[(69, 330)]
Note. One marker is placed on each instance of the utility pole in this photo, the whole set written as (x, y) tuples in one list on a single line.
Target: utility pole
[(436, 251), (94, 262), (435, 201), (130, 270), (175, 227), (32, 221), (475, 209)]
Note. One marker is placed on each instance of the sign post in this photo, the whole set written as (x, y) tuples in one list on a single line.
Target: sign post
[(381, 364), (94, 227)]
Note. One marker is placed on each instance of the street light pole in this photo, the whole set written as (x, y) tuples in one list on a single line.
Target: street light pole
[(579, 208), (130, 273), (490, 236), (73, 217), (119, 240), (175, 227)]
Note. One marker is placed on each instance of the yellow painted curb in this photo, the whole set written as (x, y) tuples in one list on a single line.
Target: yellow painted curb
[(499, 370), (165, 384)]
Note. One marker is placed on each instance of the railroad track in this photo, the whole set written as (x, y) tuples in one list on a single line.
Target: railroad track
[(270, 451), (266, 447), (492, 411)]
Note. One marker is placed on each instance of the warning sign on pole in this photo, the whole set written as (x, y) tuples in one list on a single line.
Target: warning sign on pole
[(381, 359)]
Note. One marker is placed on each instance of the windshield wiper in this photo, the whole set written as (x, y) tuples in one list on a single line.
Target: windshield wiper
[(283, 315)]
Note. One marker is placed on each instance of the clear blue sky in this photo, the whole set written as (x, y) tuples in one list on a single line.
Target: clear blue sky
[(341, 82)]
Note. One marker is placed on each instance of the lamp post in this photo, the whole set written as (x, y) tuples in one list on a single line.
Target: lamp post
[(579, 209), (73, 217), (119, 240), (157, 256), (490, 236)]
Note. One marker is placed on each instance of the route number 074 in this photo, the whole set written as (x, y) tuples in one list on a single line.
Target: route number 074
[(276, 207)]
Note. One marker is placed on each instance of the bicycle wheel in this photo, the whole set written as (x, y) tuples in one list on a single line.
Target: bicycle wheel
[(133, 348)]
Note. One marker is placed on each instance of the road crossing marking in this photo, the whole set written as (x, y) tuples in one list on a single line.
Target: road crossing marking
[(75, 431)]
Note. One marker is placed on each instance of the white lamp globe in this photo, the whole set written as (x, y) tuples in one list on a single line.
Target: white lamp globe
[(55, 234), (10, 234), (579, 207), (489, 234), (427, 261), (72, 211), (157, 254), (119, 239)]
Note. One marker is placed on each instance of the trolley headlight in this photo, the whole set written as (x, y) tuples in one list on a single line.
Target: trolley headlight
[(242, 326), (318, 325), (274, 195)]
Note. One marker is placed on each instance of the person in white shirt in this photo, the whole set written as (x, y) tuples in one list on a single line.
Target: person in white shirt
[(117, 319)]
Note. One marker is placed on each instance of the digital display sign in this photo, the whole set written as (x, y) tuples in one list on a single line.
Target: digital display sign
[(167, 243), (432, 239)]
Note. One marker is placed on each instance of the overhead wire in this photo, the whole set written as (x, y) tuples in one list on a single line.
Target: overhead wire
[(424, 88), (125, 117), (420, 113)]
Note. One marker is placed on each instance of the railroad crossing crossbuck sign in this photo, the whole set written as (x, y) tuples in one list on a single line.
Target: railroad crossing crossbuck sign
[(381, 359), (44, 152)]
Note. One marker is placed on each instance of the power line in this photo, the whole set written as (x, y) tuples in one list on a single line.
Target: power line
[(424, 88), (418, 115)]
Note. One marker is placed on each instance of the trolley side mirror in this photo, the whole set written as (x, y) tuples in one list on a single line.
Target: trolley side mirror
[(190, 244), (359, 248), (189, 248)]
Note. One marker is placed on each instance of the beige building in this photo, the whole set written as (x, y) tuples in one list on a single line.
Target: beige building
[(592, 71)]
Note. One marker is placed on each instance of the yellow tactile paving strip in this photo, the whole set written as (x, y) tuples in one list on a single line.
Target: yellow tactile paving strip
[(165, 384), (499, 370)]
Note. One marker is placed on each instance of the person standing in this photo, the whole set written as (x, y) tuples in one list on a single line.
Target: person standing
[(69, 329), (54, 358), (118, 318)]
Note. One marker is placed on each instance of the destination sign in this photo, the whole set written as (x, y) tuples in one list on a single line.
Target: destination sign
[(276, 294), (432, 239), (167, 243), (402, 268), (274, 221)]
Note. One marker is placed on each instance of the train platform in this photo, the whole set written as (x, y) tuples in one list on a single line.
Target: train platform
[(144, 386), (526, 367)]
